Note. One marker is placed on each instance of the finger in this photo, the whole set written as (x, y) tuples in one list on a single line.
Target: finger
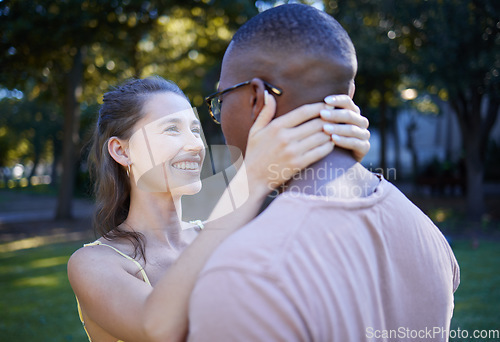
[(316, 154), (311, 142), (342, 101), (266, 114), (300, 115), (306, 129), (344, 116), (347, 131), (359, 147)]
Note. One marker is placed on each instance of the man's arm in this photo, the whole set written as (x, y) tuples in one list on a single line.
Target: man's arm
[(236, 305)]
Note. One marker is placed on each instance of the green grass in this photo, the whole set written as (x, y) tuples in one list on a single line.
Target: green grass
[(477, 300), (37, 303)]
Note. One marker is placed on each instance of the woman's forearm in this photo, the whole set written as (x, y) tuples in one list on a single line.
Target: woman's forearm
[(166, 311)]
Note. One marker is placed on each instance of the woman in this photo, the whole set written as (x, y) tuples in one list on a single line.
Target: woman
[(134, 282)]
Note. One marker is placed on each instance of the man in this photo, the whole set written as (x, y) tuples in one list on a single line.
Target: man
[(341, 255)]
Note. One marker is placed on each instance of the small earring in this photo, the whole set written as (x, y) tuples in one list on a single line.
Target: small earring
[(128, 170)]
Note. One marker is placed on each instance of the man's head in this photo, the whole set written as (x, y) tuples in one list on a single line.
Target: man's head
[(301, 50)]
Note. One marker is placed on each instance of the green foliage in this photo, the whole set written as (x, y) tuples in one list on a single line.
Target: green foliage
[(448, 44), (455, 44), (180, 40), (28, 129), (382, 59)]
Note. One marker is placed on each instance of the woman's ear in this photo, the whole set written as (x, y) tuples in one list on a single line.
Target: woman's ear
[(258, 97), (118, 150)]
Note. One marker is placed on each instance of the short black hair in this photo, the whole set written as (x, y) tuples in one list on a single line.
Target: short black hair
[(294, 27)]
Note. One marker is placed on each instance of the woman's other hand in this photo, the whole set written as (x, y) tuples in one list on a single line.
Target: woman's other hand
[(279, 148), (348, 128)]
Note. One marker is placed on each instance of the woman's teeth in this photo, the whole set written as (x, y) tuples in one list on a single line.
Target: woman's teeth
[(186, 165)]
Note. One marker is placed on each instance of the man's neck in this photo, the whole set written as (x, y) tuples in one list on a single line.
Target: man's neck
[(337, 175)]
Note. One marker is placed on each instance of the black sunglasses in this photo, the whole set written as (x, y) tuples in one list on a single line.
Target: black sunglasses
[(214, 101)]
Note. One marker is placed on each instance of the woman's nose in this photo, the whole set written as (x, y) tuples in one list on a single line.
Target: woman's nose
[(194, 143)]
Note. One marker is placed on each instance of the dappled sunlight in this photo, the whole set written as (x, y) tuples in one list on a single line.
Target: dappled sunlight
[(48, 262), (46, 281), (440, 215), (38, 241), (33, 265), (31, 242)]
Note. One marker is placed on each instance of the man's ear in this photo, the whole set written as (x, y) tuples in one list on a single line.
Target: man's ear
[(258, 97), (118, 150), (352, 89)]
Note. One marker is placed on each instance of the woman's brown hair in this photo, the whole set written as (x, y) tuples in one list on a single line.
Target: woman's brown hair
[(121, 109)]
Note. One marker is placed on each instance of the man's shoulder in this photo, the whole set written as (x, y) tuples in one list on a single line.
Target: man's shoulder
[(300, 222), (257, 244)]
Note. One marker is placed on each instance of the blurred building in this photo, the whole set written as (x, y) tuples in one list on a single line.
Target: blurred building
[(436, 138)]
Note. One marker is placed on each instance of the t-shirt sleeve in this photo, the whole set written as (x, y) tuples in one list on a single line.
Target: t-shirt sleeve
[(236, 305), (455, 268), (456, 273)]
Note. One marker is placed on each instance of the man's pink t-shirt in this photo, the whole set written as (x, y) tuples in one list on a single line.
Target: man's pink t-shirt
[(313, 268)]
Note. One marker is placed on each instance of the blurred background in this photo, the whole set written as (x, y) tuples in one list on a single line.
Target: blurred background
[(428, 80)]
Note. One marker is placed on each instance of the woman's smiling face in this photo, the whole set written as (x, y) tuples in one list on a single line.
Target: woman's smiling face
[(166, 148)]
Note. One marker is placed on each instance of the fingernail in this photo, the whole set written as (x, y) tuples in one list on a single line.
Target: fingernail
[(328, 128), (325, 113), (330, 99), (335, 137), (266, 94)]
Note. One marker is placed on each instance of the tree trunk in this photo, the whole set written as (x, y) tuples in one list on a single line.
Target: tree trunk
[(70, 137), (474, 178), (448, 136), (410, 132), (55, 163), (38, 144), (35, 165), (475, 132), (383, 136), (467, 109), (397, 146), (475, 159)]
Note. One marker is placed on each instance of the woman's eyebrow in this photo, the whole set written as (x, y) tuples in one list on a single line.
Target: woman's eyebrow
[(168, 120)]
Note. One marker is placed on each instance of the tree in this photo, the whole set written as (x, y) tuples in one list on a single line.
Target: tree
[(71, 51), (28, 127), (382, 60), (451, 46), (45, 44), (455, 47)]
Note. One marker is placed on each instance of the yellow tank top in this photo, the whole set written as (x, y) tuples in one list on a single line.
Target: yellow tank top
[(141, 269)]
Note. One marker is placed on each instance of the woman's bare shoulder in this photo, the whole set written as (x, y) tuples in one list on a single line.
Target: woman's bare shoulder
[(93, 262), (88, 253)]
